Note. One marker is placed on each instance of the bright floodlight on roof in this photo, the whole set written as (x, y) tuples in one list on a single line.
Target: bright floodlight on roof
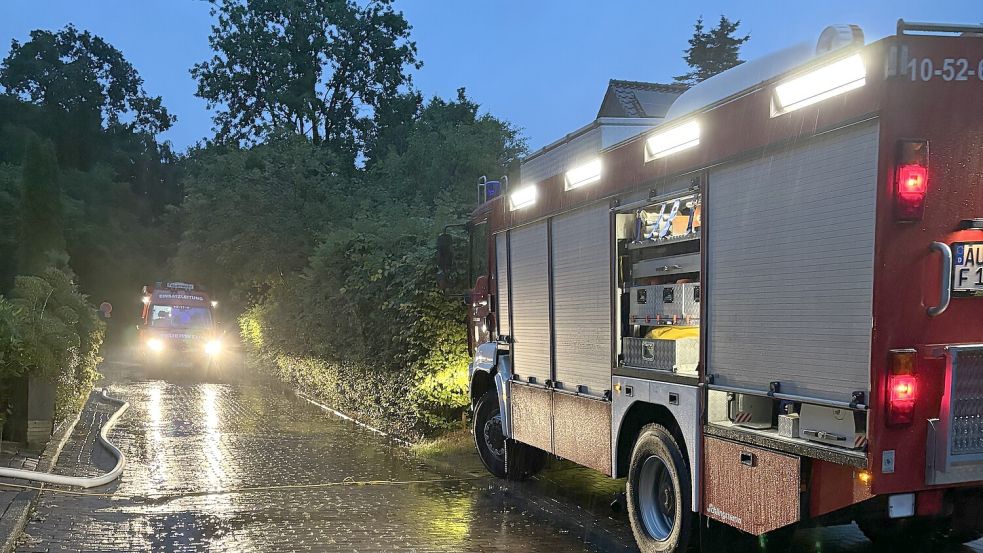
[(523, 197), (584, 174), (817, 85), (673, 140)]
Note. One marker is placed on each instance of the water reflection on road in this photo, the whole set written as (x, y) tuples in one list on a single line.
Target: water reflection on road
[(242, 454), (236, 464)]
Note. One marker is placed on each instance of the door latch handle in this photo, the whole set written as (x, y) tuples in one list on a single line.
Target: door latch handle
[(945, 289), (823, 435)]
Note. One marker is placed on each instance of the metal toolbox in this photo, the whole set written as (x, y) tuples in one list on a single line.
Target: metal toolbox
[(681, 355), (665, 304), (645, 304), (832, 426), (681, 301)]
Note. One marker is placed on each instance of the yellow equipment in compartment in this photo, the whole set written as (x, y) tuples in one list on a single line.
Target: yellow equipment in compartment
[(673, 332)]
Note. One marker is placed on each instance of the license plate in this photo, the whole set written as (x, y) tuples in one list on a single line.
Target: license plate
[(967, 267)]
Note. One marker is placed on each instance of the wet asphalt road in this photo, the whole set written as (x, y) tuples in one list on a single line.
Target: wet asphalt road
[(231, 464)]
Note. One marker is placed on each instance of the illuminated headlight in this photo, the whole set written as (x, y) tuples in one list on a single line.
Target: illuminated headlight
[(213, 347), (154, 344)]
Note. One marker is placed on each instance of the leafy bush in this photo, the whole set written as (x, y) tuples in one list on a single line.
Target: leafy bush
[(342, 300), (48, 330)]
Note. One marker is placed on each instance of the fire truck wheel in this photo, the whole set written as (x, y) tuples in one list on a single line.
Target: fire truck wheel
[(489, 437), (503, 457), (658, 492)]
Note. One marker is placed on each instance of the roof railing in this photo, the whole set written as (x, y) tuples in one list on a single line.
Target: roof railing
[(920, 27)]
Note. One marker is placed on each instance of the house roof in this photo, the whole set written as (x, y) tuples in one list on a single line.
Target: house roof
[(638, 99)]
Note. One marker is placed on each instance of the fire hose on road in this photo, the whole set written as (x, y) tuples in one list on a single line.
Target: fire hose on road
[(82, 482)]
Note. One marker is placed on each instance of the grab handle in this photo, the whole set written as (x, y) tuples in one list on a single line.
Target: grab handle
[(945, 290)]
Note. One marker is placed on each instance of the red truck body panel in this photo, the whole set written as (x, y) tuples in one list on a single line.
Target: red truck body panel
[(949, 115)]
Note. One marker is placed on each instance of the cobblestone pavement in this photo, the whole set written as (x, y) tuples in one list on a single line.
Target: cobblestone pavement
[(14, 456), (240, 466)]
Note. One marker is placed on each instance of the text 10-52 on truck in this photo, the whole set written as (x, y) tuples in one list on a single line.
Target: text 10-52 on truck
[(178, 327), (759, 301)]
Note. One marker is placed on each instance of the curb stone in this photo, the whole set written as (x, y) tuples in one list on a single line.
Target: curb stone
[(12, 522)]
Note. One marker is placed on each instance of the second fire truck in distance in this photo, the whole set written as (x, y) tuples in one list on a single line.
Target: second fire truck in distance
[(178, 327)]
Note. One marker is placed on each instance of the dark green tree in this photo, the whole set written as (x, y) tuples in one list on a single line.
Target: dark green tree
[(713, 51), (319, 68), (389, 131), (40, 234), (253, 216), (446, 148), (10, 179), (85, 85)]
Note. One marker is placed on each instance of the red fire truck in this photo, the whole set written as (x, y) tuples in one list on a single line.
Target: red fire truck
[(763, 311), (178, 326)]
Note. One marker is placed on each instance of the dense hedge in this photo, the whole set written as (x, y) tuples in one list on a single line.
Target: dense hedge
[(375, 339), (49, 330), (333, 271)]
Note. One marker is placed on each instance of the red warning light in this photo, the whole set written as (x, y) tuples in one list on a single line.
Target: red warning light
[(903, 393), (912, 188)]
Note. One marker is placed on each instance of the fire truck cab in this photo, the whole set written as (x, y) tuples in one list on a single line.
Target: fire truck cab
[(178, 326), (762, 307)]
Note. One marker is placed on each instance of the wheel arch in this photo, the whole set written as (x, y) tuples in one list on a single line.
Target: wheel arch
[(639, 415), (481, 382), (491, 370)]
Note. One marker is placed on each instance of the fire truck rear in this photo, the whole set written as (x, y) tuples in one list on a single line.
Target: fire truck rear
[(763, 310), (178, 326)]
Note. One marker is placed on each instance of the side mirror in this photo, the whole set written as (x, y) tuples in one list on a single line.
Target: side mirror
[(445, 260)]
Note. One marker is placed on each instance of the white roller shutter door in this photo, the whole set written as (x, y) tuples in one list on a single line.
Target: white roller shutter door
[(530, 302), (790, 267), (582, 299)]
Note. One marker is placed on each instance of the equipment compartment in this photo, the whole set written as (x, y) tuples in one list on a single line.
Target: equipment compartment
[(658, 273), (751, 488)]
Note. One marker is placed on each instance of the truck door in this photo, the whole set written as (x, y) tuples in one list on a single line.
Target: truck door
[(480, 323)]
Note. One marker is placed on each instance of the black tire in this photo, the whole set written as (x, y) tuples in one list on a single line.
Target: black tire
[(503, 457), (658, 493), (489, 443)]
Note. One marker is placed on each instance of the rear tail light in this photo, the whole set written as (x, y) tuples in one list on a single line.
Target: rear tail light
[(911, 180), (902, 387)]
